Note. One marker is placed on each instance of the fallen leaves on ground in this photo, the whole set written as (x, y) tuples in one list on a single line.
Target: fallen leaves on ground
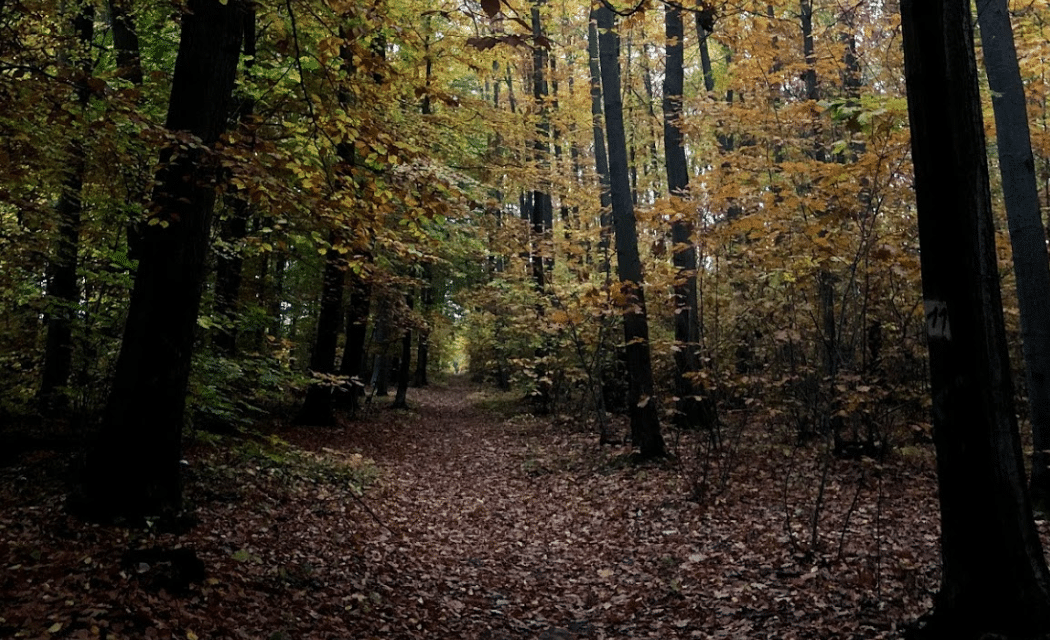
[(482, 524)]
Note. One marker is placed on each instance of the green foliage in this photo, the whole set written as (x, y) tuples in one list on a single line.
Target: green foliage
[(231, 393)]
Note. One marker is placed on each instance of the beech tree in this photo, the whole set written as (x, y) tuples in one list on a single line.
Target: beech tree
[(994, 575), (134, 469), (693, 409), (641, 401)]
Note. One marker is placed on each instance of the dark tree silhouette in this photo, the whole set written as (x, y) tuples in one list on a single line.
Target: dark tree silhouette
[(134, 469), (994, 580)]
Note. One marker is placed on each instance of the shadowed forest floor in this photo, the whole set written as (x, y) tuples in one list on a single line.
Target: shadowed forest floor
[(485, 524)]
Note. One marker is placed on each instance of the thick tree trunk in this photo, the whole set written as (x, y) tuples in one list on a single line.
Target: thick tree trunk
[(994, 579), (62, 290), (645, 417), (319, 408), (133, 470), (1027, 236)]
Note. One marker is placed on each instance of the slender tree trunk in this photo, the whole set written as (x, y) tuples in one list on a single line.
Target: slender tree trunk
[(542, 214), (994, 579), (404, 371), (229, 266), (63, 291), (601, 160), (229, 263), (381, 364), (427, 292), (319, 407), (702, 35), (645, 417), (1027, 236), (125, 41), (650, 166), (692, 409), (271, 295), (426, 301), (133, 470), (352, 363)]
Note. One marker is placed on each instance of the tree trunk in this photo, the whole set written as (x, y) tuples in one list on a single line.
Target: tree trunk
[(133, 471), (426, 301), (542, 213), (62, 290), (692, 409), (319, 408), (1027, 236), (994, 578), (601, 160), (381, 365), (229, 263), (702, 34), (125, 42), (405, 366), (645, 418), (352, 363)]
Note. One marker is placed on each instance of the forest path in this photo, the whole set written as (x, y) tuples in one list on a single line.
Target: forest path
[(505, 526), (489, 528)]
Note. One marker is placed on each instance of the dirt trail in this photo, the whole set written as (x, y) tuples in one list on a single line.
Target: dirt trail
[(509, 527), (479, 529)]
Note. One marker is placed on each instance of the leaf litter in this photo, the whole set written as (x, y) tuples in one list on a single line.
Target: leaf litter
[(484, 524)]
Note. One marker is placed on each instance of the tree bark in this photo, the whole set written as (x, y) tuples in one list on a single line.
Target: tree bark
[(125, 42), (405, 365), (994, 579), (601, 159), (645, 418), (426, 301), (1027, 236), (691, 409), (352, 363), (133, 470), (542, 213), (319, 408)]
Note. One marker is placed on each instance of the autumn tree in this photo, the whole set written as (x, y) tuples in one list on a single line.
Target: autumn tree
[(692, 409), (995, 578), (134, 468), (642, 403)]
